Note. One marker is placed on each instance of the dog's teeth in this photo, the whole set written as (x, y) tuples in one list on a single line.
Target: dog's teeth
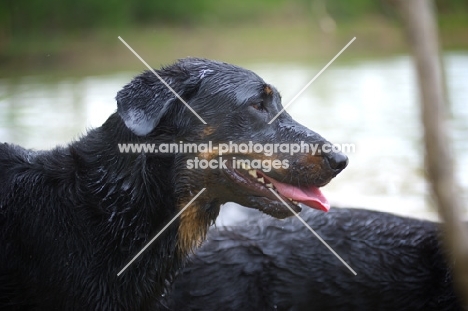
[(269, 185), (261, 180), (295, 202), (290, 199), (253, 173)]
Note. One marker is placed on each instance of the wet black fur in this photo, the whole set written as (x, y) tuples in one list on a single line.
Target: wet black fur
[(279, 265), (72, 217)]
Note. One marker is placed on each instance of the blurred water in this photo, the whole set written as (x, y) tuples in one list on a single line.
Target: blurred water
[(371, 104)]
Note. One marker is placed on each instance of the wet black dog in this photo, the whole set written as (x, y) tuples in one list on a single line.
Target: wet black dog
[(280, 265), (71, 218)]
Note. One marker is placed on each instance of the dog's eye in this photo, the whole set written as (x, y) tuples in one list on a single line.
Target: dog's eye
[(259, 106)]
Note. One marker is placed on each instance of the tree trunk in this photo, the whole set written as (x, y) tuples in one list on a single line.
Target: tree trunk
[(420, 23)]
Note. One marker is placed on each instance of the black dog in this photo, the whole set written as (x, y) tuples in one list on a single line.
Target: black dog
[(280, 265), (72, 218)]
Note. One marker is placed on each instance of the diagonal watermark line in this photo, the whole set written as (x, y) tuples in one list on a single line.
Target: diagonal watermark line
[(162, 80), (311, 81), (313, 231), (160, 232)]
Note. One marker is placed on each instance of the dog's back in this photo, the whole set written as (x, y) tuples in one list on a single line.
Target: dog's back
[(280, 265), (22, 198), (12, 159), (11, 156), (15, 174), (25, 172)]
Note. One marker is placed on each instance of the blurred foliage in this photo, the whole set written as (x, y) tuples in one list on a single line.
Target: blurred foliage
[(32, 16), (29, 16), (70, 35)]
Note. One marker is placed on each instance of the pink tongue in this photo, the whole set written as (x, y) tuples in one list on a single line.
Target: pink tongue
[(310, 196)]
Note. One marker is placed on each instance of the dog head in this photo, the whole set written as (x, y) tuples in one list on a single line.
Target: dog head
[(237, 106)]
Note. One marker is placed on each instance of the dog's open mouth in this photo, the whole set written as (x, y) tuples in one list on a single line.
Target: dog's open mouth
[(310, 196), (258, 184)]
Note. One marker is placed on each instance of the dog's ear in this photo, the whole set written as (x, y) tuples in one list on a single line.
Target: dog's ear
[(145, 100)]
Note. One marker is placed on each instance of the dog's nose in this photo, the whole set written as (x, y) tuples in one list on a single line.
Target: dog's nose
[(337, 161)]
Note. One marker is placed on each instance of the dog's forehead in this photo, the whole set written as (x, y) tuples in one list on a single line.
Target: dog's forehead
[(227, 79), (242, 87), (232, 74), (236, 80)]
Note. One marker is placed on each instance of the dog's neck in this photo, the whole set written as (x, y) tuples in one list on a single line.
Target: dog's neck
[(134, 201)]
